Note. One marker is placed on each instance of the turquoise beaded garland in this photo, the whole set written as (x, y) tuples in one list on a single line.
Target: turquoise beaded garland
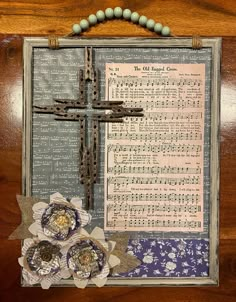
[(142, 20), (158, 28), (165, 31), (100, 15), (109, 13), (150, 24), (118, 12), (134, 17), (84, 24), (92, 19), (76, 29), (127, 14)]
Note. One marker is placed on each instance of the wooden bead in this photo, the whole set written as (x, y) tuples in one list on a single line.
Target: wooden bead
[(150, 24), (127, 14), (158, 28), (76, 29), (165, 31), (109, 13), (118, 12), (134, 17), (100, 15), (84, 24), (92, 19), (142, 20)]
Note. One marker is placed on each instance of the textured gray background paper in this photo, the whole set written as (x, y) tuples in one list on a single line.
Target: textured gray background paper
[(55, 143)]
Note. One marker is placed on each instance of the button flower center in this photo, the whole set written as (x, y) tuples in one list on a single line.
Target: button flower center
[(46, 256), (62, 221), (86, 257)]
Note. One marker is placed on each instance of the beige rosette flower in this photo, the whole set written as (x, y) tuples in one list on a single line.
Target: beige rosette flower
[(89, 257), (59, 219), (43, 262)]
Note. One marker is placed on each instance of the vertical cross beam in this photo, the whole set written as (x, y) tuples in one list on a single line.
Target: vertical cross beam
[(88, 153)]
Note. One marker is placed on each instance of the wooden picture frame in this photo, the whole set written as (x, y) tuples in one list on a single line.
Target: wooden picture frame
[(214, 44)]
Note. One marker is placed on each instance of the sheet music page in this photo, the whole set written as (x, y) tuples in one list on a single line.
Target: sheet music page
[(153, 174)]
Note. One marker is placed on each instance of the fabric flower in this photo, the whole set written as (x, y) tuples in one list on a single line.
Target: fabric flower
[(89, 258), (148, 259), (171, 255), (43, 262), (59, 219), (170, 265)]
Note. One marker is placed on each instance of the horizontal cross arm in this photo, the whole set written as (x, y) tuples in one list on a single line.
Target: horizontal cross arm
[(106, 104), (59, 108), (70, 104), (106, 118), (70, 116), (122, 112)]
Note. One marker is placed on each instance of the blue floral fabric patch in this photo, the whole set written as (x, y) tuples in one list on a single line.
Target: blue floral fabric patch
[(170, 258)]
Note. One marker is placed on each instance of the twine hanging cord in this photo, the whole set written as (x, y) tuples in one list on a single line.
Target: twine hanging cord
[(53, 42), (196, 42)]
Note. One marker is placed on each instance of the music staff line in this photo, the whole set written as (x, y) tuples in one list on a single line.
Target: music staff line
[(155, 197), (148, 209), (135, 223), (155, 136), (156, 116), (153, 180), (153, 170), (134, 82), (156, 148), (154, 103)]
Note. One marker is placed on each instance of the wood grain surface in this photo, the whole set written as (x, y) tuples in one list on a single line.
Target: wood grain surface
[(185, 17)]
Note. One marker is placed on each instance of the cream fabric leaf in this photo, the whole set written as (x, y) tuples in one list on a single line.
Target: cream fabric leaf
[(45, 284), (82, 232), (47, 281), (39, 205), (111, 245), (104, 244), (77, 202), (99, 282), (34, 228), (113, 261), (98, 233), (80, 283), (57, 197), (21, 261)]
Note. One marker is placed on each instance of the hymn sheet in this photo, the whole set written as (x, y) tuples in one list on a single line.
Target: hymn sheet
[(153, 174)]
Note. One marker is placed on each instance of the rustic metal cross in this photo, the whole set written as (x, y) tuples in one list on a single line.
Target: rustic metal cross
[(88, 150)]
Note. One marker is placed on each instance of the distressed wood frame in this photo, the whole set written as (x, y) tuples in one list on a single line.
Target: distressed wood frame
[(215, 45)]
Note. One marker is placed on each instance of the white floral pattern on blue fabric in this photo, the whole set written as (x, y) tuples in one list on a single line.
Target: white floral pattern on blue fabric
[(170, 257)]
